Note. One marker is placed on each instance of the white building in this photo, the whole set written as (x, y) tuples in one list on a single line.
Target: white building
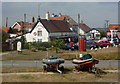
[(93, 34), (46, 30)]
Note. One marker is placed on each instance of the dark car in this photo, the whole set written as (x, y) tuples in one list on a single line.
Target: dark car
[(67, 47), (97, 44), (90, 45)]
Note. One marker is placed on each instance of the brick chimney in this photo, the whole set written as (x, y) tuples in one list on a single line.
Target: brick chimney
[(38, 18), (33, 19)]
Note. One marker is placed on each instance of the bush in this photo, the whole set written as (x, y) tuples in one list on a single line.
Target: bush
[(43, 45), (26, 46), (34, 49), (42, 48)]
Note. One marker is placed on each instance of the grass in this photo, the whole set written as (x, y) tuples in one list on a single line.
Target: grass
[(21, 69), (70, 77), (39, 69), (110, 53)]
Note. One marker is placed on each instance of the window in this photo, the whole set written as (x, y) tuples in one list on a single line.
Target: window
[(39, 33), (39, 40), (97, 35)]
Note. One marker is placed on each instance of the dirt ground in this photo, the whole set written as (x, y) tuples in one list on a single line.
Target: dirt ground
[(68, 77)]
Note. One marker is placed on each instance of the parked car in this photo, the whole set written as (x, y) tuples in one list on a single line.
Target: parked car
[(105, 43), (96, 44), (115, 41), (93, 45), (67, 47)]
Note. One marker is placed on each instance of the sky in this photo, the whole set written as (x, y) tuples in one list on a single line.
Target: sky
[(92, 13)]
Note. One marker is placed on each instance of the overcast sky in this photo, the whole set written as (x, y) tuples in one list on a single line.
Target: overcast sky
[(93, 13)]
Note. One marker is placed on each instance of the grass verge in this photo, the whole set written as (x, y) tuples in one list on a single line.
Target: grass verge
[(110, 53)]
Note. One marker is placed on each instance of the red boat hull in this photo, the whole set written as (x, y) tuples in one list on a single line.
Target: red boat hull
[(86, 63)]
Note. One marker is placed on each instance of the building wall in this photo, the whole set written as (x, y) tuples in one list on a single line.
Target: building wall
[(94, 34), (17, 27), (34, 37), (118, 34), (81, 31), (62, 34)]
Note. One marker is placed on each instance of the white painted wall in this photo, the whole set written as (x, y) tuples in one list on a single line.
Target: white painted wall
[(31, 37), (81, 31), (95, 33)]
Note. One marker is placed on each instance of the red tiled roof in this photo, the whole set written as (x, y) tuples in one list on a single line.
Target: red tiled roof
[(113, 26), (84, 27), (27, 24), (5, 29), (57, 18)]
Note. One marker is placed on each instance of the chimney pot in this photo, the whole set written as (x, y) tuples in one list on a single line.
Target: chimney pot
[(33, 19), (47, 16), (60, 15)]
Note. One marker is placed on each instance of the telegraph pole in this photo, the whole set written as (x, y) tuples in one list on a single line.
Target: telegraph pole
[(6, 21), (106, 26), (78, 29), (24, 22), (39, 9)]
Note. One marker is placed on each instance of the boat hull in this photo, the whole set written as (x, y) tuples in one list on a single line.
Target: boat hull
[(87, 63), (53, 61)]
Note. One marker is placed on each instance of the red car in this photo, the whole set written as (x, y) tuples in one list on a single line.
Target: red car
[(104, 43)]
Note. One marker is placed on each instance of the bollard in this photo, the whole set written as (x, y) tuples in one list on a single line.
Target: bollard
[(104, 47), (92, 48), (107, 46), (95, 49)]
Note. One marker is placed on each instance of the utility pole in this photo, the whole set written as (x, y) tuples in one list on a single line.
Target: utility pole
[(39, 9), (6, 21), (24, 22), (78, 29), (106, 26)]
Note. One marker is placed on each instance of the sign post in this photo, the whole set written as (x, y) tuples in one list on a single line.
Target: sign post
[(19, 47)]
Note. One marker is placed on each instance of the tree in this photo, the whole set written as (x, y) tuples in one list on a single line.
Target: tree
[(102, 34), (58, 44), (4, 36)]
